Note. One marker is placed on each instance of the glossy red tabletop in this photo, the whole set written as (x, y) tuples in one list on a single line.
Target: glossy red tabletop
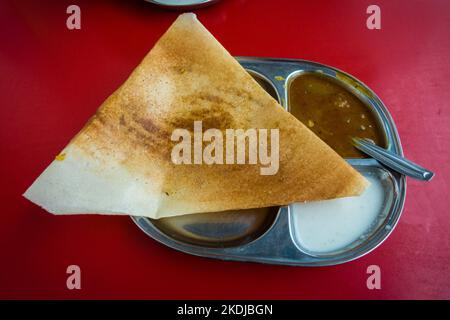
[(52, 80)]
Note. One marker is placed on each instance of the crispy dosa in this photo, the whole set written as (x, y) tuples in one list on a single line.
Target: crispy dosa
[(120, 162)]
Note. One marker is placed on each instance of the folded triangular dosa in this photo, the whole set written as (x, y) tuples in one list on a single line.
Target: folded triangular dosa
[(120, 162)]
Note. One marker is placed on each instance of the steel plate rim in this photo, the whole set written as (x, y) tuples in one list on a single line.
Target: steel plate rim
[(197, 4)]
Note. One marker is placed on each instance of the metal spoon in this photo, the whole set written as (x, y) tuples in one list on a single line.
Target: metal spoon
[(392, 160)]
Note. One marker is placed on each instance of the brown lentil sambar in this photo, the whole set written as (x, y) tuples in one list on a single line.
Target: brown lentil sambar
[(333, 113)]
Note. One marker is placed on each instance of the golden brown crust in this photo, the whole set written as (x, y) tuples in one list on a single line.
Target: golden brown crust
[(189, 76)]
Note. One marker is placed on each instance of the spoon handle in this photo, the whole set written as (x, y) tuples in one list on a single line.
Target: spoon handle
[(392, 160)]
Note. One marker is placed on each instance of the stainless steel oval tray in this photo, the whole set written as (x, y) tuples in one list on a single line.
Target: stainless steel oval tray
[(270, 235)]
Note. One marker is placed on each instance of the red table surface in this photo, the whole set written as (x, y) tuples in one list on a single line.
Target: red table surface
[(52, 80)]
